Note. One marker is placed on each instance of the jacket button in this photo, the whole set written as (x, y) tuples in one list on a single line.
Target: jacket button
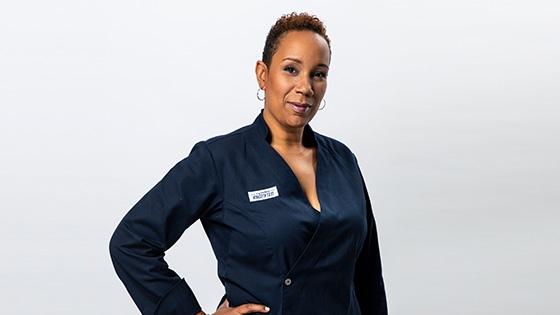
[(288, 281)]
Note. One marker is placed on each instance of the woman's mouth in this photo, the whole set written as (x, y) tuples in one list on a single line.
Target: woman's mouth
[(300, 107)]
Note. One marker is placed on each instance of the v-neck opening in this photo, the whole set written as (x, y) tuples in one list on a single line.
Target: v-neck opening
[(294, 177)]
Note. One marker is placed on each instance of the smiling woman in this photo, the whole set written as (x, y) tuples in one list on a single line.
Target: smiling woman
[(286, 208), (293, 72)]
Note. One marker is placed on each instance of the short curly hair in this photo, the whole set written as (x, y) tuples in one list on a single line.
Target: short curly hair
[(292, 22)]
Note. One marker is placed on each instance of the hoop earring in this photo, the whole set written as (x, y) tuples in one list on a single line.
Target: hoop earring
[(324, 104), (258, 95)]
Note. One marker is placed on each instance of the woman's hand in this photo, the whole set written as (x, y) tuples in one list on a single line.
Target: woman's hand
[(224, 309)]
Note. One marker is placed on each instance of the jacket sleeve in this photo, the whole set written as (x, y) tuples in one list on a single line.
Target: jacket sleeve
[(368, 278), (137, 247)]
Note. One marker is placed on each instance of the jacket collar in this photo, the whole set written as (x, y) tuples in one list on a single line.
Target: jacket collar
[(263, 131)]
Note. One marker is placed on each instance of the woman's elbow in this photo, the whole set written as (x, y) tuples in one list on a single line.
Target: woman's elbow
[(115, 245)]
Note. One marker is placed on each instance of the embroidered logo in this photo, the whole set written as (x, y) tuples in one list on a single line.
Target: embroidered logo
[(263, 194)]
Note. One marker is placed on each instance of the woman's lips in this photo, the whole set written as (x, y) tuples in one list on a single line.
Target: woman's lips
[(300, 108)]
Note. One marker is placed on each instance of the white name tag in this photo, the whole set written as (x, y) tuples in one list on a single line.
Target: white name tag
[(263, 194)]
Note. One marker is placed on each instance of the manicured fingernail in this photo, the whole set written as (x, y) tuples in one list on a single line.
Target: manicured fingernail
[(266, 308)]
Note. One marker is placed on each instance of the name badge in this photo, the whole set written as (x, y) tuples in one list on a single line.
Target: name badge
[(263, 194)]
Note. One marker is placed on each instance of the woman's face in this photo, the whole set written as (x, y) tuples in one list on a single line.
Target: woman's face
[(296, 80)]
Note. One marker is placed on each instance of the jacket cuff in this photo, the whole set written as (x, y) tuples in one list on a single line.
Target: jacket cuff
[(179, 300)]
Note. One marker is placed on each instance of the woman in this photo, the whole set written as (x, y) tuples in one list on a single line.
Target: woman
[(286, 209)]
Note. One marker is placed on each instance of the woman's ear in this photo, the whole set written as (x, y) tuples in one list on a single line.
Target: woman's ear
[(261, 71)]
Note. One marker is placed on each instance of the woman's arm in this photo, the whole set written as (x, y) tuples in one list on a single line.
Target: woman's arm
[(138, 244), (368, 278)]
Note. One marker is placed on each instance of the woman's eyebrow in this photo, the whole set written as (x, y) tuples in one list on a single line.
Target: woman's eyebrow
[(299, 61)]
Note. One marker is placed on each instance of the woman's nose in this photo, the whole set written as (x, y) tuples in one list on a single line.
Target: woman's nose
[(305, 87)]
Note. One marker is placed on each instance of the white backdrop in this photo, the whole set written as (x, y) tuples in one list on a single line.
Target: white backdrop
[(450, 106)]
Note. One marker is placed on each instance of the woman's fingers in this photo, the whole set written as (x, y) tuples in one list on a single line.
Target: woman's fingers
[(241, 309), (224, 304), (251, 308)]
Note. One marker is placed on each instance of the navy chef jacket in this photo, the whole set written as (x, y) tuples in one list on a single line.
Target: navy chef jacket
[(271, 245)]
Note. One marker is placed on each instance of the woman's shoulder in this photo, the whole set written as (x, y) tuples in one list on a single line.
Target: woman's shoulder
[(226, 143), (335, 146)]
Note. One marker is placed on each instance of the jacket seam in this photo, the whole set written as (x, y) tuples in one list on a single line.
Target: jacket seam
[(217, 174)]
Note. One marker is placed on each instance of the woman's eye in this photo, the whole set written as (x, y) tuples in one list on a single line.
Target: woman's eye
[(290, 69), (321, 74)]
